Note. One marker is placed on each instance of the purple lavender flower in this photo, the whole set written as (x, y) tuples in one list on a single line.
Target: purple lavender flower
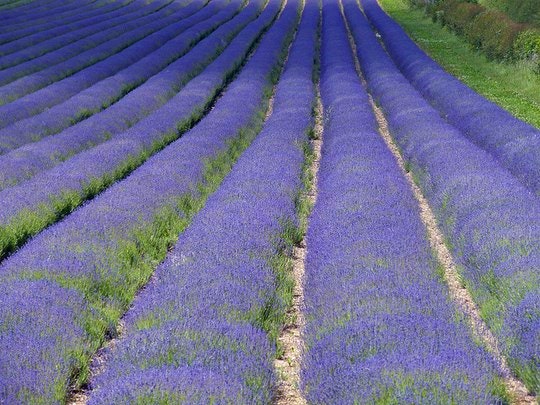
[(126, 71), (380, 325), (68, 60), (20, 37), (490, 220), (81, 252), (17, 54), (39, 195), (514, 143), (203, 311), (32, 158)]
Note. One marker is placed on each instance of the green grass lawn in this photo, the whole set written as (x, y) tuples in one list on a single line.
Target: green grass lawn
[(513, 86)]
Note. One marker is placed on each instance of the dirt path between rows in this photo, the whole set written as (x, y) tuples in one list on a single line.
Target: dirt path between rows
[(97, 367), (289, 364), (458, 293)]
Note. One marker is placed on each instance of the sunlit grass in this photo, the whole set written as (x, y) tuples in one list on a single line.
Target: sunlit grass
[(515, 87)]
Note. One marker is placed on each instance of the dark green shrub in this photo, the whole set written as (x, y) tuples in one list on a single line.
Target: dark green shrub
[(494, 33), (524, 10), (458, 15)]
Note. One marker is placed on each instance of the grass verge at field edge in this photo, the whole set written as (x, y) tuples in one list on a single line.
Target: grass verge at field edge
[(514, 87)]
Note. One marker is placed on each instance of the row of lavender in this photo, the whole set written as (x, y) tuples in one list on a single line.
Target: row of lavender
[(152, 92), (40, 201), (41, 13), (15, 39), (204, 330), (23, 162), (37, 73), (507, 290), (17, 52), (490, 220), (380, 327), (115, 69), (101, 254), (514, 143)]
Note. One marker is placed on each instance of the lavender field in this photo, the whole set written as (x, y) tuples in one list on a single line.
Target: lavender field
[(257, 202)]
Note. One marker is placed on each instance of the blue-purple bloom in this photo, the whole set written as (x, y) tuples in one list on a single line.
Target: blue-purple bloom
[(40, 194), (514, 143), (36, 73), (46, 116), (202, 313), (18, 52), (490, 220), (138, 63), (80, 254), (24, 162), (380, 327), (20, 37)]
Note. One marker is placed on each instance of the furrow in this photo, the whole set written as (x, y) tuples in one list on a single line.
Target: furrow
[(125, 232), (263, 181), (68, 102), (380, 326), (473, 199), (30, 76), (290, 342), (55, 193)]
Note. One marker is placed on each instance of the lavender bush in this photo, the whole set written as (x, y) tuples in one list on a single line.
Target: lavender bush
[(21, 51), (123, 230), (514, 143), (37, 15), (37, 10), (218, 299), (64, 89), (128, 69), (32, 158), (35, 33), (380, 327), (39, 202), (490, 220), (70, 59)]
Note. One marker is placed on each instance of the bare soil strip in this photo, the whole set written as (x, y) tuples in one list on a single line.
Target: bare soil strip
[(289, 363), (458, 293), (97, 366)]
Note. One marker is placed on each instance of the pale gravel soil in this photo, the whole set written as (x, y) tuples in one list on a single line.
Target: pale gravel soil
[(289, 364), (458, 293), (97, 367)]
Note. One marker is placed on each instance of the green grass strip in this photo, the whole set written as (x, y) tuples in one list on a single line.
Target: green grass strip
[(514, 87)]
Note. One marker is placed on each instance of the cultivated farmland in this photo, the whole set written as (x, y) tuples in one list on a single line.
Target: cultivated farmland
[(257, 202)]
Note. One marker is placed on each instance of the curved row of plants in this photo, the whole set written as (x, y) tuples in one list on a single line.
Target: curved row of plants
[(489, 219), (105, 251)]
